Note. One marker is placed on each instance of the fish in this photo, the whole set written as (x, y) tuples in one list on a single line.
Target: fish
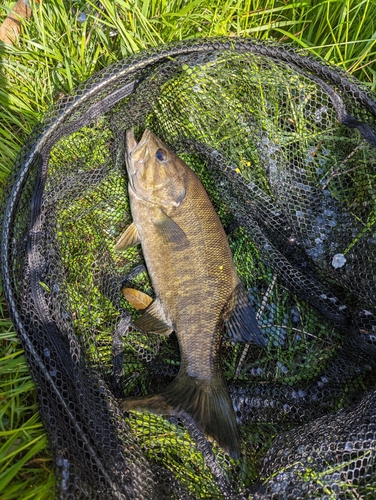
[(197, 288)]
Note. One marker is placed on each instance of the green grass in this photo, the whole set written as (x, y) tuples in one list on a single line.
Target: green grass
[(55, 53), (25, 462)]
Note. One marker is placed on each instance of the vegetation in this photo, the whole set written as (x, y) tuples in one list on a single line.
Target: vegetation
[(64, 43)]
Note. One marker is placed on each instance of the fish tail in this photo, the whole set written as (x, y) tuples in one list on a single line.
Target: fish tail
[(206, 401)]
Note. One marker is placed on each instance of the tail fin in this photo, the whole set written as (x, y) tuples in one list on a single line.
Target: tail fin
[(207, 402)]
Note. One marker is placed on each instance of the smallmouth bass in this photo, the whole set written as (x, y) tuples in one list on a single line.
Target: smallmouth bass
[(197, 288)]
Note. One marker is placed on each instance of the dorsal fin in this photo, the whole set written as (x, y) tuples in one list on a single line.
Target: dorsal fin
[(242, 324)]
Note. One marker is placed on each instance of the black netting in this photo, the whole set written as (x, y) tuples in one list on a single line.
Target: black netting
[(286, 147)]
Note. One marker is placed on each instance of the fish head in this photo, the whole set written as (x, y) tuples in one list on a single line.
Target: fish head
[(156, 174)]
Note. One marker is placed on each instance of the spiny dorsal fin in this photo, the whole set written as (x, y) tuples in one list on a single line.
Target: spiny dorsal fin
[(242, 324), (170, 231), (154, 320), (139, 300), (129, 238)]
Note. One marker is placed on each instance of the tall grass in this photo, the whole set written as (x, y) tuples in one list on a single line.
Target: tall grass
[(64, 43)]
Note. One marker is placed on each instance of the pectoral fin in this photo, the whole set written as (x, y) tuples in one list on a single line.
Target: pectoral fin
[(242, 324), (139, 300), (129, 238), (170, 231), (154, 320)]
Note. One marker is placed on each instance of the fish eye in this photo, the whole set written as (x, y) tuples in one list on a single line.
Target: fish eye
[(160, 155)]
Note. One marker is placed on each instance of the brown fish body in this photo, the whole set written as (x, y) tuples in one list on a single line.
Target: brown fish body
[(195, 281)]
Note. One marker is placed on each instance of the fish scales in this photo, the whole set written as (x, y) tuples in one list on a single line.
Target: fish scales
[(195, 281), (201, 270)]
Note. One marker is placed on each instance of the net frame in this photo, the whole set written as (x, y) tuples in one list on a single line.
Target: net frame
[(91, 101)]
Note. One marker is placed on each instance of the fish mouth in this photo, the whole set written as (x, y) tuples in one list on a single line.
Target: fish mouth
[(133, 160), (137, 152)]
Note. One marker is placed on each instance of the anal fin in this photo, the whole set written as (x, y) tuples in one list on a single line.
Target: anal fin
[(154, 320), (242, 324)]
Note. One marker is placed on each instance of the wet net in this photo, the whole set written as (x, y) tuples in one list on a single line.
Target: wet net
[(285, 146)]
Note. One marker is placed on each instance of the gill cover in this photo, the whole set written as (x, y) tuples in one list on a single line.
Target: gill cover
[(153, 170)]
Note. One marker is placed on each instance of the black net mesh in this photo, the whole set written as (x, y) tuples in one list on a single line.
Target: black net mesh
[(285, 147)]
